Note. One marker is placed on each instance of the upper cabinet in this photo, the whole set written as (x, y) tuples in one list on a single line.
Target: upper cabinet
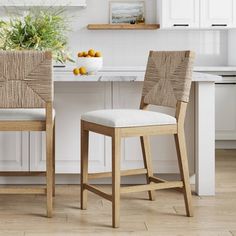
[(20, 3), (217, 13), (178, 13), (196, 14)]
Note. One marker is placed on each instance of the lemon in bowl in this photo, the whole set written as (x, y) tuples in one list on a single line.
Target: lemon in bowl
[(91, 60)]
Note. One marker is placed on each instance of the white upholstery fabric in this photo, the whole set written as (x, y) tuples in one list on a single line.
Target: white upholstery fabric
[(127, 118), (23, 114)]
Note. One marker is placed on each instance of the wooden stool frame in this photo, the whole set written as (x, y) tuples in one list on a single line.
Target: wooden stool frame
[(153, 183), (40, 75)]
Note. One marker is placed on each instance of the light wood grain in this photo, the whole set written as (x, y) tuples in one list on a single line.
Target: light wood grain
[(84, 164), (116, 146), (122, 173), (23, 173), (146, 151), (49, 158), (148, 187), (123, 26), (214, 216), (149, 130), (24, 215), (36, 125), (23, 190), (97, 191)]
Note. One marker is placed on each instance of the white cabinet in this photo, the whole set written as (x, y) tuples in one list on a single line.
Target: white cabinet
[(178, 13), (226, 112), (14, 151), (72, 100), (218, 13)]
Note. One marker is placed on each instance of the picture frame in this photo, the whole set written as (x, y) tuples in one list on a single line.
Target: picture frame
[(127, 12)]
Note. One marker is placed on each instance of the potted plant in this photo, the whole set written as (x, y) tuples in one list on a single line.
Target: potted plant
[(37, 30)]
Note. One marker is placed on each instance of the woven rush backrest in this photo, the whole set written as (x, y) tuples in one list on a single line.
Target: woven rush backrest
[(25, 79), (168, 78)]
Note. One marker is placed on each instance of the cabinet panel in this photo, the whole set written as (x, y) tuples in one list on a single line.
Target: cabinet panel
[(225, 112), (72, 100), (178, 13), (217, 13), (127, 95), (14, 151)]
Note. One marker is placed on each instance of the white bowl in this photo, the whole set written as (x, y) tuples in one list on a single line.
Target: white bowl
[(92, 64)]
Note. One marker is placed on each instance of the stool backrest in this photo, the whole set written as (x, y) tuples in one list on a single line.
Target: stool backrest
[(168, 78), (25, 79)]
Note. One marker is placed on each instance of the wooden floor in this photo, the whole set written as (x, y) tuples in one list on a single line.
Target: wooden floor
[(23, 215)]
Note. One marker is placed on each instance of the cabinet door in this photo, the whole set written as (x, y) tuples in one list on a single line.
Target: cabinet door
[(127, 95), (14, 151), (225, 112), (71, 101), (217, 13), (179, 13)]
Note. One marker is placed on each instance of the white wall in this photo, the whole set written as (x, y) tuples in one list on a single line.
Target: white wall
[(232, 47), (130, 48)]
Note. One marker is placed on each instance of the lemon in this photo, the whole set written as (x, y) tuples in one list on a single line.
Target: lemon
[(85, 54), (98, 54), (82, 71), (76, 71), (91, 53), (80, 54)]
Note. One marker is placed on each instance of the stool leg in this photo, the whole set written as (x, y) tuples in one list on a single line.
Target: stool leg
[(184, 171), (116, 143), (49, 169), (84, 165), (146, 150), (54, 161)]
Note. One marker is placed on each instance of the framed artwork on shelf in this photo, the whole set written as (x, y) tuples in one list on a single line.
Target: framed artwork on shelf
[(127, 12)]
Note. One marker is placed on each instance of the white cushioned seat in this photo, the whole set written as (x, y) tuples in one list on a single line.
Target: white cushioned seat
[(127, 118), (23, 114)]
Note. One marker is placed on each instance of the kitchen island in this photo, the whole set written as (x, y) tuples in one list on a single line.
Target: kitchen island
[(115, 88), (121, 88)]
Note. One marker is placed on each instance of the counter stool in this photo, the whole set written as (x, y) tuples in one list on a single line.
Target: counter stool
[(167, 83), (26, 96)]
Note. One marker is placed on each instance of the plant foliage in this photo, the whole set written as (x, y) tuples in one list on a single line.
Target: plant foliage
[(37, 30)]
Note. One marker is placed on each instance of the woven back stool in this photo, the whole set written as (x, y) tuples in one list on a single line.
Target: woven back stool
[(26, 96), (167, 83)]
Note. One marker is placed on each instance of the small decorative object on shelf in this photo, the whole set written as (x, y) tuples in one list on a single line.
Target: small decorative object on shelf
[(88, 62), (127, 12)]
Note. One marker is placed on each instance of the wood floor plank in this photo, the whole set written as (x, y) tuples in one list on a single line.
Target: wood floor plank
[(214, 216)]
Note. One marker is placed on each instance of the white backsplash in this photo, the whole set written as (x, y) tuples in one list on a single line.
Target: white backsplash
[(130, 48)]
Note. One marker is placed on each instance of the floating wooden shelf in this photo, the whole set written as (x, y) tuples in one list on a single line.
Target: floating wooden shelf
[(123, 26)]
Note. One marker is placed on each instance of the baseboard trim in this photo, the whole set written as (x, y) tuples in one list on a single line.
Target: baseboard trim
[(229, 144)]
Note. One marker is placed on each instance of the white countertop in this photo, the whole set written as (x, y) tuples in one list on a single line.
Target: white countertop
[(215, 68), (120, 74)]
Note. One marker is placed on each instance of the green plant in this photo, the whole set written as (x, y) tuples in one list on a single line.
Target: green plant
[(38, 30)]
